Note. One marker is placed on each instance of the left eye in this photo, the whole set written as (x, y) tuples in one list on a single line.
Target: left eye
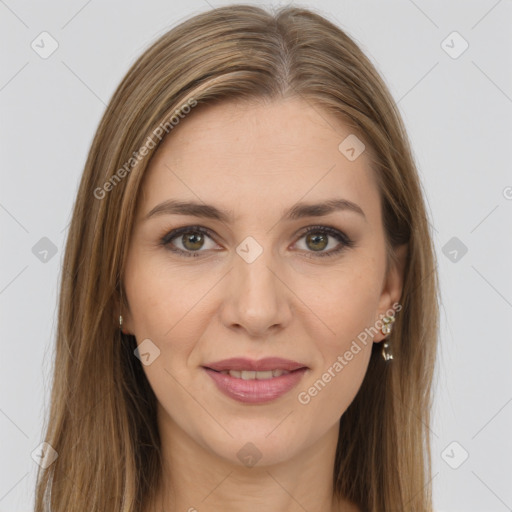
[(316, 238)]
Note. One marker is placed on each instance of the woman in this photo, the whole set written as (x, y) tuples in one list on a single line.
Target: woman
[(248, 310)]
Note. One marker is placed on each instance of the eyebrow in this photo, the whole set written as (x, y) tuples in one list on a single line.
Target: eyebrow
[(298, 211)]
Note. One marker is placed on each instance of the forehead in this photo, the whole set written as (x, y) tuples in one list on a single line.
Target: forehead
[(259, 155)]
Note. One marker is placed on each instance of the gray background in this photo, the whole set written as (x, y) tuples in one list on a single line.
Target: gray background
[(458, 111)]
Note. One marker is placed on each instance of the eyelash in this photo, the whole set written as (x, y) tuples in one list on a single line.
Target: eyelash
[(346, 242)]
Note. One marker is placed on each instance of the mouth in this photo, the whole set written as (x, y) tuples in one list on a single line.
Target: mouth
[(255, 382), (254, 375), (252, 365)]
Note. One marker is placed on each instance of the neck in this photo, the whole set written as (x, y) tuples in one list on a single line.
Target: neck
[(195, 478)]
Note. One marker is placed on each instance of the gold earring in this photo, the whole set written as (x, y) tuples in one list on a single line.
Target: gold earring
[(386, 329)]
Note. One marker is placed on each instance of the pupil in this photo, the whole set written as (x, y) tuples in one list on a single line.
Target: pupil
[(194, 239), (322, 239)]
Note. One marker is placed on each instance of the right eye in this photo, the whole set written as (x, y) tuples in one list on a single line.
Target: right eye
[(191, 238)]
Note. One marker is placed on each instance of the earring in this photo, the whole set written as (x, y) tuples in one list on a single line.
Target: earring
[(386, 329), (121, 325), (120, 316), (386, 353)]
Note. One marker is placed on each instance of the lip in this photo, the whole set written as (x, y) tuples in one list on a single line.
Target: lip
[(261, 365), (256, 391)]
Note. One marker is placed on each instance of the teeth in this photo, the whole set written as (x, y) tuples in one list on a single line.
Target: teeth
[(278, 373), (251, 375)]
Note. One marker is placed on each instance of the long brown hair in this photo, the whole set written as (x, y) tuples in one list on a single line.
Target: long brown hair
[(102, 418)]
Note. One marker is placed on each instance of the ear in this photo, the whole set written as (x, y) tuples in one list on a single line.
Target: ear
[(393, 285)]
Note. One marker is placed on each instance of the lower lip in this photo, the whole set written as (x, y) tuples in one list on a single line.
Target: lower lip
[(256, 391)]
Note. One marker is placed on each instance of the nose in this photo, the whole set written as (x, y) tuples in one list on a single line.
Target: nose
[(256, 296)]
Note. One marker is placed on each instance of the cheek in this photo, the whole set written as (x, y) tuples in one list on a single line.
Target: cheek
[(344, 379), (347, 302), (160, 298), (168, 307), (164, 309), (344, 362), (327, 394)]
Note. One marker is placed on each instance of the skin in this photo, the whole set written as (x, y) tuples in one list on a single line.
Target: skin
[(255, 160)]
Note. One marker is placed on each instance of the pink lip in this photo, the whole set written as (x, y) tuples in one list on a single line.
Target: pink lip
[(255, 391), (269, 363)]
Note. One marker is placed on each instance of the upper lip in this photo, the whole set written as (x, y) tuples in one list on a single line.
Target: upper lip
[(260, 365)]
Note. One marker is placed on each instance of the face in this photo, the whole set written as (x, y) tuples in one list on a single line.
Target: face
[(250, 272)]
